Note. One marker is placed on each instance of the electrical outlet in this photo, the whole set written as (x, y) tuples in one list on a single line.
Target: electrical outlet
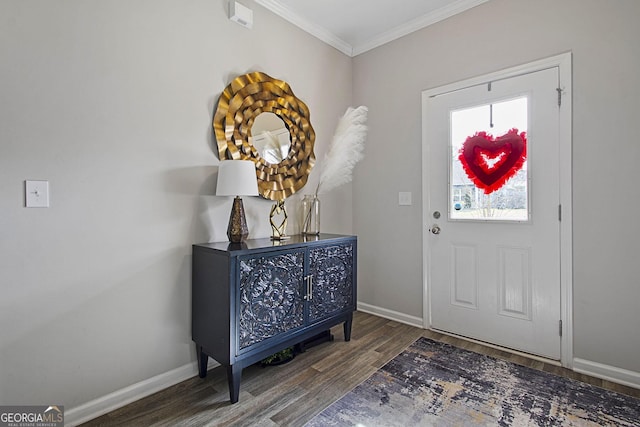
[(36, 194)]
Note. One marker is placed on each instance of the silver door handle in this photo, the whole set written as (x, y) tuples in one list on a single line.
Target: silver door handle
[(435, 229), (309, 291)]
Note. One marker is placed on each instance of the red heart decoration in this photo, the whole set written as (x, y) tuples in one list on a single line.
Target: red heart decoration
[(490, 162)]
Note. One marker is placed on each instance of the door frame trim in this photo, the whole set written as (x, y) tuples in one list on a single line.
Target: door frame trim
[(563, 62)]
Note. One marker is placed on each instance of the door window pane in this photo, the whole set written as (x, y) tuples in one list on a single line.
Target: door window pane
[(467, 201)]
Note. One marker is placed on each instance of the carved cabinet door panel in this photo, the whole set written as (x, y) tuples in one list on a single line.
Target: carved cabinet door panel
[(271, 298), (331, 269)]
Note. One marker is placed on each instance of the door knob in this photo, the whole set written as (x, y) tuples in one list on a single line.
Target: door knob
[(435, 229)]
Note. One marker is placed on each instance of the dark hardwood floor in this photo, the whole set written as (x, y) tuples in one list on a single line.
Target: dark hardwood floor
[(291, 394)]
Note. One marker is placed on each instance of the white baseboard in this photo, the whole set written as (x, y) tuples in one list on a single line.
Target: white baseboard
[(119, 398), (391, 315), (606, 372)]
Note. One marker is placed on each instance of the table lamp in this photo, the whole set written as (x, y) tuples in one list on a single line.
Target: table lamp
[(237, 178)]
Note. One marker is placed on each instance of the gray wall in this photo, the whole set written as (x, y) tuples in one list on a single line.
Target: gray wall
[(603, 37), (111, 102)]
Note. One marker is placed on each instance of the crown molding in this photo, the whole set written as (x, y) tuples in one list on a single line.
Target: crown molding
[(331, 39), (315, 30), (416, 24)]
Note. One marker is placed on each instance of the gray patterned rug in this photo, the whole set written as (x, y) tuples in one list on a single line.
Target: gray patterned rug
[(436, 384)]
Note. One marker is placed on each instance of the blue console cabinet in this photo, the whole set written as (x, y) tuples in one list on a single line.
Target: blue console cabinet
[(255, 298)]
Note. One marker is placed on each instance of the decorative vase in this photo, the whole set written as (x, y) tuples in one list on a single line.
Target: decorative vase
[(310, 215)]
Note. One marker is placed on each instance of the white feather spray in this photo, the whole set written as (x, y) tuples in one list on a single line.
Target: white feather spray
[(346, 149)]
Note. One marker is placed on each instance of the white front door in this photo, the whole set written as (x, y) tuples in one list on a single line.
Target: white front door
[(493, 246)]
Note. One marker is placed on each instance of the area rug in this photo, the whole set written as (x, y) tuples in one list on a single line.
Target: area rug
[(436, 384)]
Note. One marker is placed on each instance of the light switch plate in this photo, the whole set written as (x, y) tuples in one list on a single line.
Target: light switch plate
[(404, 198), (36, 194)]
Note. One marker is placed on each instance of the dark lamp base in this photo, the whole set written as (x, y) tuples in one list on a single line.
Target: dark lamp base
[(237, 230)]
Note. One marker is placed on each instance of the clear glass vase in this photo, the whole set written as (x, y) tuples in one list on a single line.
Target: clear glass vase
[(310, 215)]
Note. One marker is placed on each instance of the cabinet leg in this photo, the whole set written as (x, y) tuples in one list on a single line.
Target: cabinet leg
[(203, 359), (234, 373), (347, 327)]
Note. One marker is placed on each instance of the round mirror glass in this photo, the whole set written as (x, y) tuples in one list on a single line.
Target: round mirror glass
[(270, 137)]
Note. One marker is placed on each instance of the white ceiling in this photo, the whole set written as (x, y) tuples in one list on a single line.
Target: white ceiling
[(356, 26)]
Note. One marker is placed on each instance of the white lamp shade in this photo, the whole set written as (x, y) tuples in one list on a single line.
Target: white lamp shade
[(237, 178)]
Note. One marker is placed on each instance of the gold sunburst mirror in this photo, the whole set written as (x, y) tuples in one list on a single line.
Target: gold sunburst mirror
[(283, 154)]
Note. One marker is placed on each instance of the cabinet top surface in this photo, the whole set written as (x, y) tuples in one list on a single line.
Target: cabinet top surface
[(267, 243)]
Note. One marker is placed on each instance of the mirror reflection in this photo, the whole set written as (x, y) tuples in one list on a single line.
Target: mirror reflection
[(270, 137)]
